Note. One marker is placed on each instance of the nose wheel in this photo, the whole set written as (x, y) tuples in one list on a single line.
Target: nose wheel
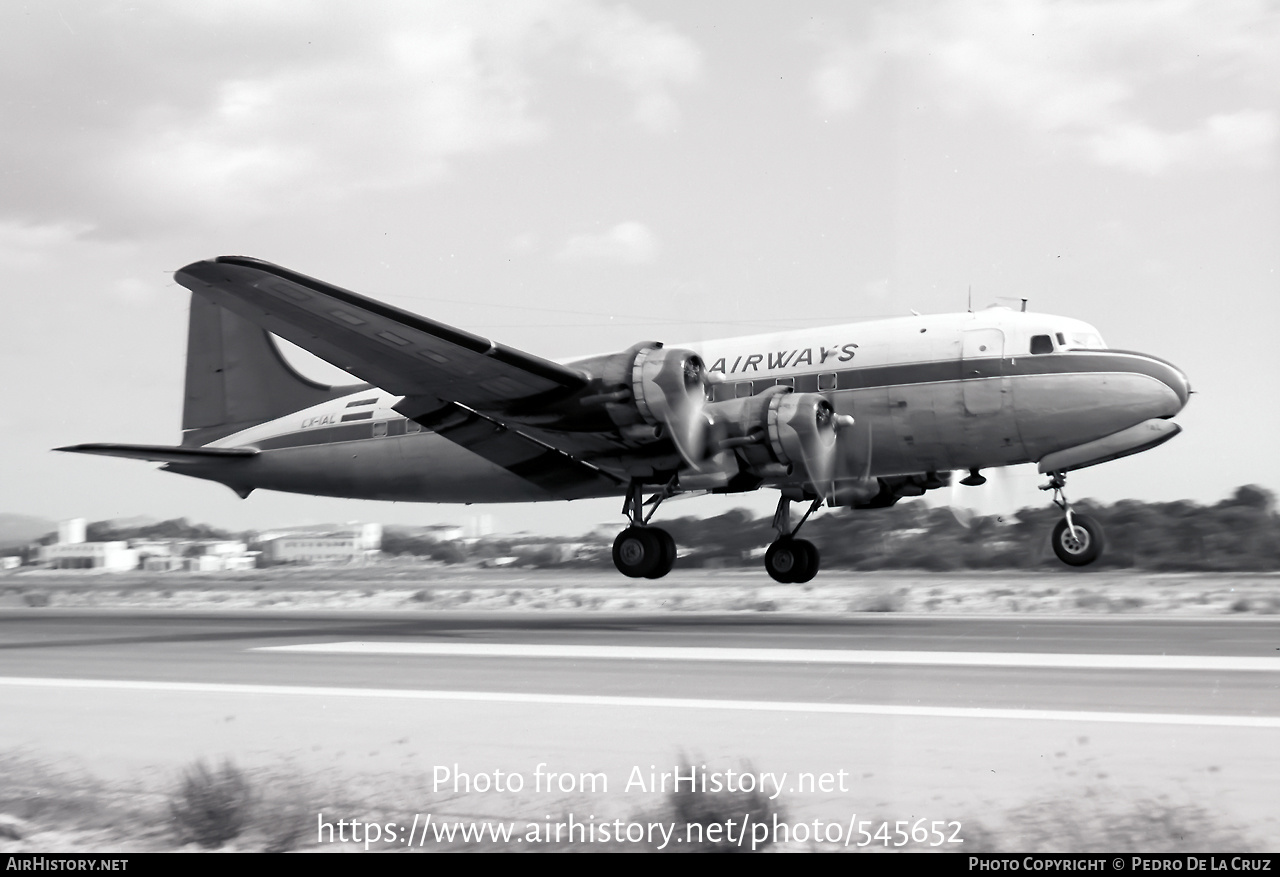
[(1077, 539)]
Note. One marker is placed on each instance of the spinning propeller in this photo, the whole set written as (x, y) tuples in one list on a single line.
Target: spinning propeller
[(996, 494), (669, 387)]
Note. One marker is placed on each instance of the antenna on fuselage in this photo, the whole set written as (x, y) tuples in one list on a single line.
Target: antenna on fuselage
[(1024, 306), (970, 305)]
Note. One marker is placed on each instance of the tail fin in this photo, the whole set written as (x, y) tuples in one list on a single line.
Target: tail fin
[(237, 378)]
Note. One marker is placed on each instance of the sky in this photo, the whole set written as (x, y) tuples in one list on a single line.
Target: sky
[(571, 177)]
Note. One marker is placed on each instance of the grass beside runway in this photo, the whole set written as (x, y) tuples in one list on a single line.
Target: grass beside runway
[(410, 585), (47, 809)]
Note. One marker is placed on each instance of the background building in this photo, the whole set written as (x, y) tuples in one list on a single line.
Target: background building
[(70, 532), (353, 543), (111, 556)]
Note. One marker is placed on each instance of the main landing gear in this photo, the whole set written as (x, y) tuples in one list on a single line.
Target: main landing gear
[(790, 560), (641, 551), (1077, 539)]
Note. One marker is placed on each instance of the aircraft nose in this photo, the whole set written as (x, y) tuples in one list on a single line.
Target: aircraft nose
[(1185, 393), (1179, 383), (1174, 378)]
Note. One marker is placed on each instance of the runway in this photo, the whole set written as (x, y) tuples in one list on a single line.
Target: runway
[(946, 718)]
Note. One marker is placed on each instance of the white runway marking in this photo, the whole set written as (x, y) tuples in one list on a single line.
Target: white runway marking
[(649, 702), (785, 656)]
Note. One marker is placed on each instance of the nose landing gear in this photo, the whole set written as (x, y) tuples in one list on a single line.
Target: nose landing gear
[(1077, 539), (790, 560)]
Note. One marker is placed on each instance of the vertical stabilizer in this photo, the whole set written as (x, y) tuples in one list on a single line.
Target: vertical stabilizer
[(236, 377)]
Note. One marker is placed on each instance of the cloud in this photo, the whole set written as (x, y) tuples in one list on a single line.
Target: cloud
[(36, 257), (1135, 84), (649, 58), (524, 244), (877, 289), (127, 114), (383, 120), (843, 77), (134, 290), (1247, 138), (29, 245), (629, 242)]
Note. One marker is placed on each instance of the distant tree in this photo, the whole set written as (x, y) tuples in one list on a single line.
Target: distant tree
[(396, 541), (449, 552), (539, 556), (1254, 497), (176, 528)]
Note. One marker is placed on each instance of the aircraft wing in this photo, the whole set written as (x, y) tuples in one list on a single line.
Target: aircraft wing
[(393, 349), (551, 467)]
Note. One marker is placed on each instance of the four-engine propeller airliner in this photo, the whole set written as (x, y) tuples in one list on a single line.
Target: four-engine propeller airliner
[(857, 415)]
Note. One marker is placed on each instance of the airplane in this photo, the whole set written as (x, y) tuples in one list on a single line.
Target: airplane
[(855, 416)]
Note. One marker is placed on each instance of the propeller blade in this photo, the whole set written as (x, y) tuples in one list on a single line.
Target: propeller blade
[(810, 438), (866, 473), (956, 501), (997, 495), (674, 383)]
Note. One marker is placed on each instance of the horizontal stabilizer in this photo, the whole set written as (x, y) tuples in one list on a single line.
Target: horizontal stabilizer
[(159, 453)]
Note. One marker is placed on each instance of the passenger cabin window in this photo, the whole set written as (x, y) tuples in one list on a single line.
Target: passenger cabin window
[(1041, 344), (827, 381)]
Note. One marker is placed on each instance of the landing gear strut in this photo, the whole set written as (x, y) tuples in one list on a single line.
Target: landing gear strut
[(641, 551), (1077, 539), (790, 560)]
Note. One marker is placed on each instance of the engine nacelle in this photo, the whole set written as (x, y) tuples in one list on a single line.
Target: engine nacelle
[(858, 493), (880, 493), (652, 392), (778, 434)]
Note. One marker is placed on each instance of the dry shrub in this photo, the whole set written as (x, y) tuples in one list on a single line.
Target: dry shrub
[(692, 807), (211, 807), (1111, 822)]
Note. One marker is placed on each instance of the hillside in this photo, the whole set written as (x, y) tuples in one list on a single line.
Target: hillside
[(18, 530)]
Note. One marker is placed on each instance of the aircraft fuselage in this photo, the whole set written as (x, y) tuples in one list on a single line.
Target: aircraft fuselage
[(927, 394)]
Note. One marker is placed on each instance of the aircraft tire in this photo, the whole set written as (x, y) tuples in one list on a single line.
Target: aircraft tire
[(787, 559), (668, 550), (812, 561), (1081, 549), (638, 552)]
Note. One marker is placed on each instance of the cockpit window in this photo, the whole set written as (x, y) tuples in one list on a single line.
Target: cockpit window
[(1062, 339), (1041, 344), (1085, 340)]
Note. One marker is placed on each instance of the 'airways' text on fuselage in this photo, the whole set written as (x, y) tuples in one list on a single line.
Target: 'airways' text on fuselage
[(784, 359)]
